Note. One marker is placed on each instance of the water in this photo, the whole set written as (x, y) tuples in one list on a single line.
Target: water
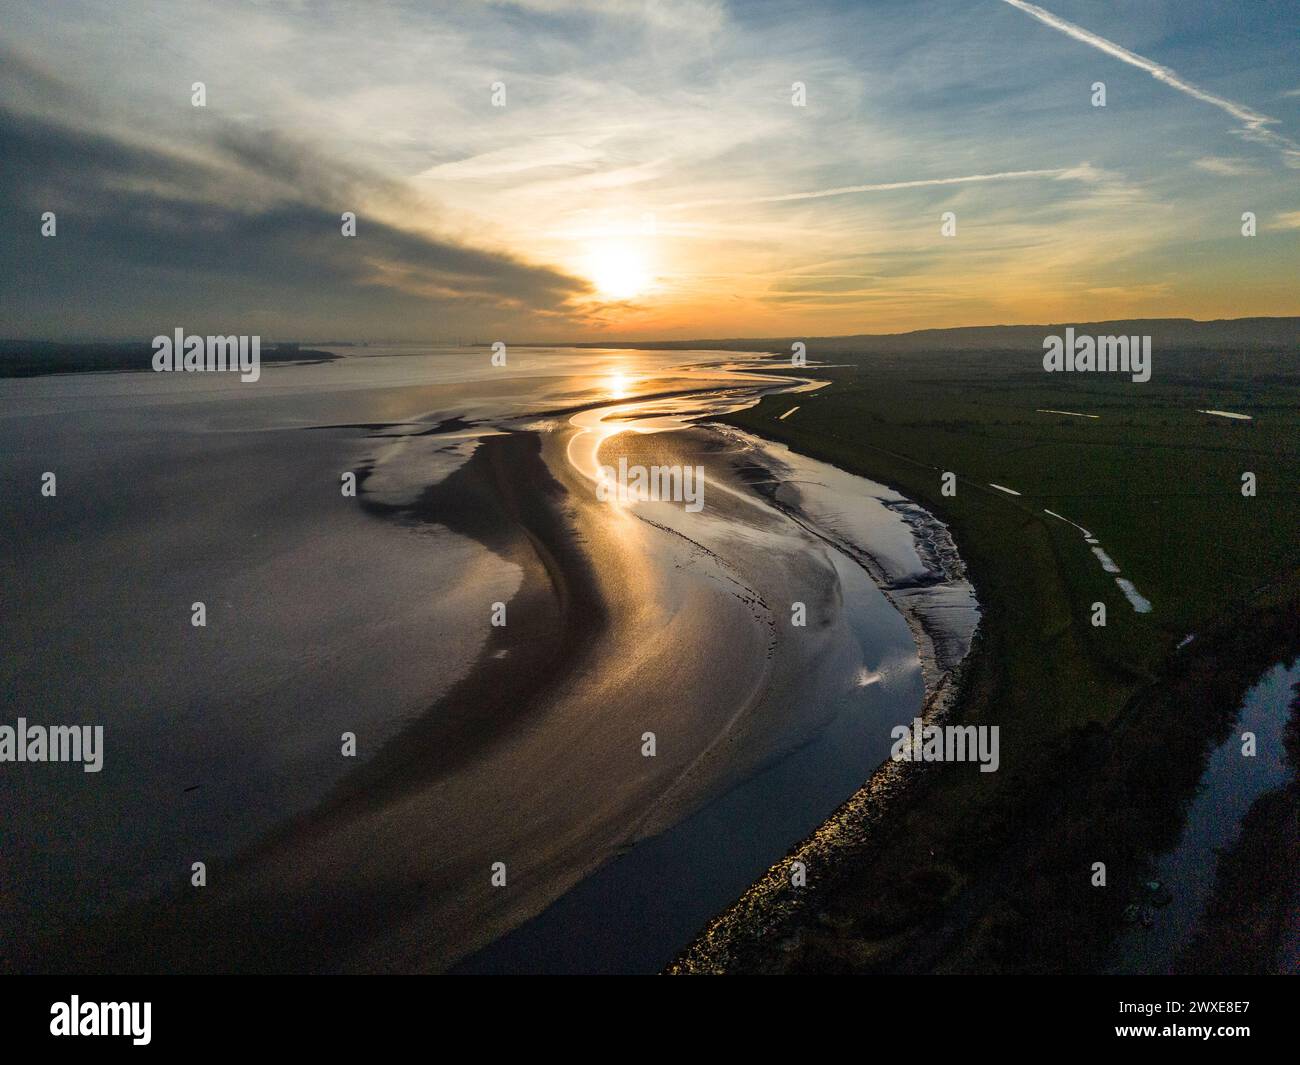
[(328, 614), (1230, 785)]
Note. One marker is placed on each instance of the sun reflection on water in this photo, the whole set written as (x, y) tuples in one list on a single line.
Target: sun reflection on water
[(619, 385)]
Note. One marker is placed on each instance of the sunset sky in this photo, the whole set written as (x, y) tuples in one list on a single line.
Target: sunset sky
[(648, 175)]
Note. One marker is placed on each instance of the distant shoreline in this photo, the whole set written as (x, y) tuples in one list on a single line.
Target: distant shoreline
[(22, 359)]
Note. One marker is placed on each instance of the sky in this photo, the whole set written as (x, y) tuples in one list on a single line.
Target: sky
[(546, 170)]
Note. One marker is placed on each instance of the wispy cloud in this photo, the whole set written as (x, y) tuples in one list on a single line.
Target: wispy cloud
[(1252, 125), (1078, 173), (1225, 166)]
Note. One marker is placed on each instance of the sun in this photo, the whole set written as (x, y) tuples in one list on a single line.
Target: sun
[(619, 271)]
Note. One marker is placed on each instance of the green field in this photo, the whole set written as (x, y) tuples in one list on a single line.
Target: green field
[(1101, 734)]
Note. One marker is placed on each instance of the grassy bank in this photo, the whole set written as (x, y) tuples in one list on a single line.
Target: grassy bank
[(1103, 728)]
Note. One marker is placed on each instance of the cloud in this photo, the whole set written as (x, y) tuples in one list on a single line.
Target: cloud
[(1253, 125), (1066, 173), (628, 121), (679, 16), (1225, 166), (245, 217)]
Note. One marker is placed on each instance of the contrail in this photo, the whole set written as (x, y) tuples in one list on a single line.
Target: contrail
[(1083, 173), (1254, 125)]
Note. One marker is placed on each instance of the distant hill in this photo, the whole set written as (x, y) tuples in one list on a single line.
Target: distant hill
[(1233, 333)]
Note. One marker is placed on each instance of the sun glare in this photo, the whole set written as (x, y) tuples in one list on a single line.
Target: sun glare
[(619, 271), (619, 385)]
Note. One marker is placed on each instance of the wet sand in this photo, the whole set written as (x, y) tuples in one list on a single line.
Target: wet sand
[(622, 621)]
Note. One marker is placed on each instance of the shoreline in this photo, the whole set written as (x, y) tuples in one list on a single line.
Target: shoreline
[(934, 545), (769, 909), (741, 936)]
